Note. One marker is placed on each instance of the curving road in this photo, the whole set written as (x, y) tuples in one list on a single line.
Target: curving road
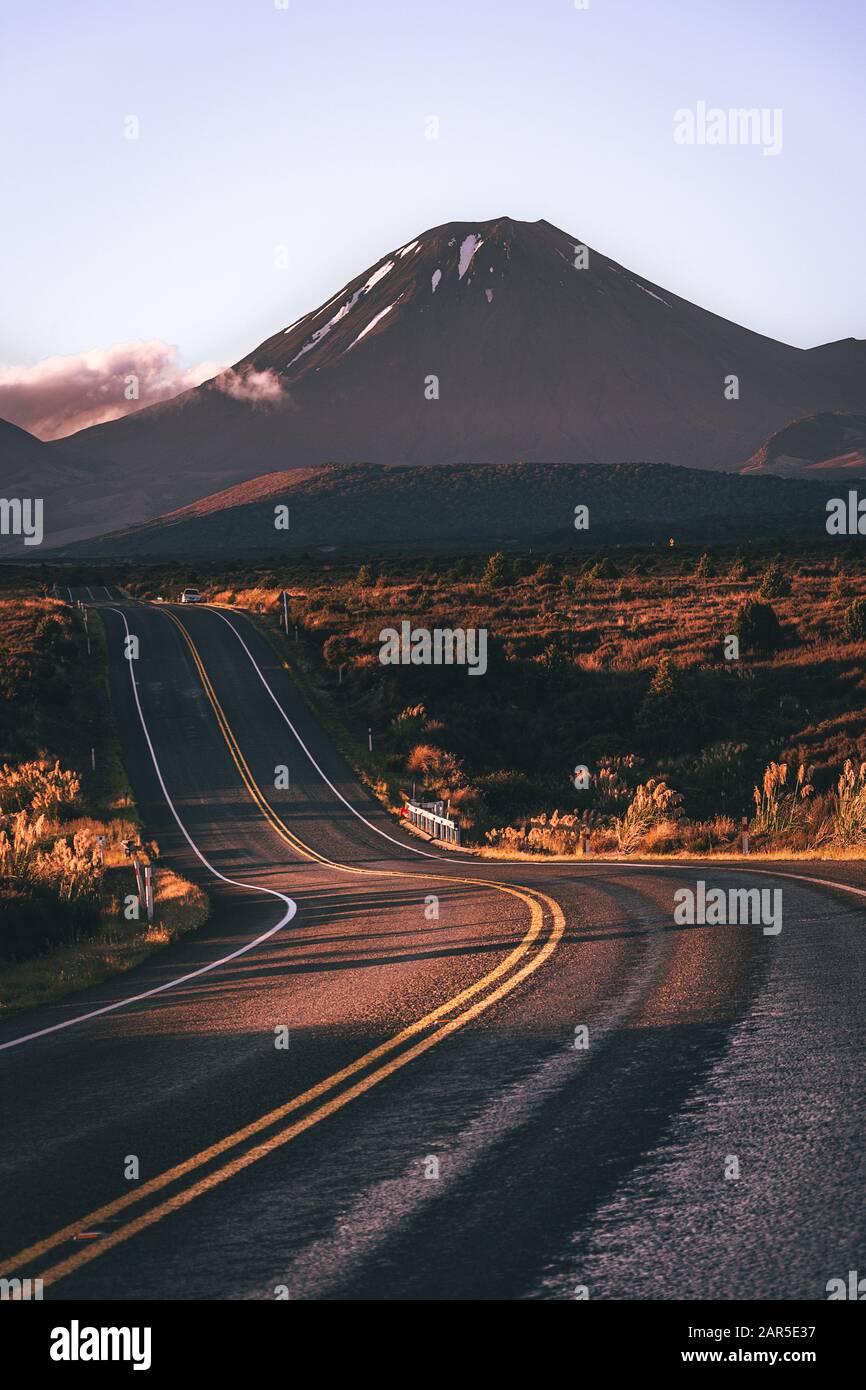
[(430, 1130)]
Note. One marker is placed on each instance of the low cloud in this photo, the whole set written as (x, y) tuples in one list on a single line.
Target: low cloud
[(259, 388), (60, 395)]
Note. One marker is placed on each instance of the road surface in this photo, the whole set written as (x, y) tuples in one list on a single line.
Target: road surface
[(365, 1077)]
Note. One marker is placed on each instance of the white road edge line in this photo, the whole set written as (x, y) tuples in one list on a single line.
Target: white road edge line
[(325, 778), (552, 864), (291, 905)]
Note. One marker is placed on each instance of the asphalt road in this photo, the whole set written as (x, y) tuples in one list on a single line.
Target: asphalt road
[(431, 1130)]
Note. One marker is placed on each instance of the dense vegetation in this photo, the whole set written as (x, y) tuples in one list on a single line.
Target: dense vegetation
[(620, 663), (63, 894), (54, 726)]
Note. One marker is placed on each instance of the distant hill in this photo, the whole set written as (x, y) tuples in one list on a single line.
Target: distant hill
[(78, 494), (440, 509), (827, 445)]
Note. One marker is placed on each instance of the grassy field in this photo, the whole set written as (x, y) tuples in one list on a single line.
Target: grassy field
[(68, 899), (620, 666)]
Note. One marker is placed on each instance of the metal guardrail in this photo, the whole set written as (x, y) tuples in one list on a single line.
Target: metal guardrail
[(439, 827)]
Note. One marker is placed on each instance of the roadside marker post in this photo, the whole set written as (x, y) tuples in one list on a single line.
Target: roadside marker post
[(745, 835), (148, 891)]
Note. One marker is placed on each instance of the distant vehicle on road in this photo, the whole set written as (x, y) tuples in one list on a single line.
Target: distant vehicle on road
[(191, 596)]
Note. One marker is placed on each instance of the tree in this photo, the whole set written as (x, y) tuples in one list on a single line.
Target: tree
[(496, 571), (757, 626), (339, 651), (740, 568), (775, 583), (854, 621), (664, 707), (704, 568), (604, 569)]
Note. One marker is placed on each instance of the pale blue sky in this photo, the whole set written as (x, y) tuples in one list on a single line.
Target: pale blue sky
[(305, 127)]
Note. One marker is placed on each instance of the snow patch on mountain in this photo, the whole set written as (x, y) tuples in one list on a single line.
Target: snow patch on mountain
[(341, 313), (372, 324), (436, 277), (407, 250), (468, 247), (651, 294)]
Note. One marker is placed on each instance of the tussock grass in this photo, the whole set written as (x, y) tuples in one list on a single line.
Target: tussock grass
[(62, 894), (592, 659), (179, 907)]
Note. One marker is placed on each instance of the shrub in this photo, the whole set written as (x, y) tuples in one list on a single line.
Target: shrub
[(496, 571), (33, 919), (704, 569), (854, 621), (603, 569), (775, 583), (778, 805), (849, 806), (757, 626), (38, 787), (653, 802)]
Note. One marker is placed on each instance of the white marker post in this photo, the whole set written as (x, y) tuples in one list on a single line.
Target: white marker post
[(286, 612), (745, 835), (148, 891), (370, 739)]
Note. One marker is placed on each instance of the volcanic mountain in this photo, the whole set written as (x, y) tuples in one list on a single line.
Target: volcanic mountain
[(479, 342)]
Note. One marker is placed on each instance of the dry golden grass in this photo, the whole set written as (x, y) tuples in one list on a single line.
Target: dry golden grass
[(578, 654), (179, 907)]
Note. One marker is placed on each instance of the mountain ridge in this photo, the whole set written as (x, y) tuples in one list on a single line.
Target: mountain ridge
[(480, 343), (367, 507)]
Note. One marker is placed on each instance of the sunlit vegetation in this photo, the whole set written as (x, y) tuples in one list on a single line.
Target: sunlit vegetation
[(65, 811), (617, 659)]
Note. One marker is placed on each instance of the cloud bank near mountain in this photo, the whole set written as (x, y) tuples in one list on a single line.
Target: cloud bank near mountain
[(60, 395), (256, 388)]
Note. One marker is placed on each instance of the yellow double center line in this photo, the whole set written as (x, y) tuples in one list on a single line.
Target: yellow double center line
[(318, 1102)]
